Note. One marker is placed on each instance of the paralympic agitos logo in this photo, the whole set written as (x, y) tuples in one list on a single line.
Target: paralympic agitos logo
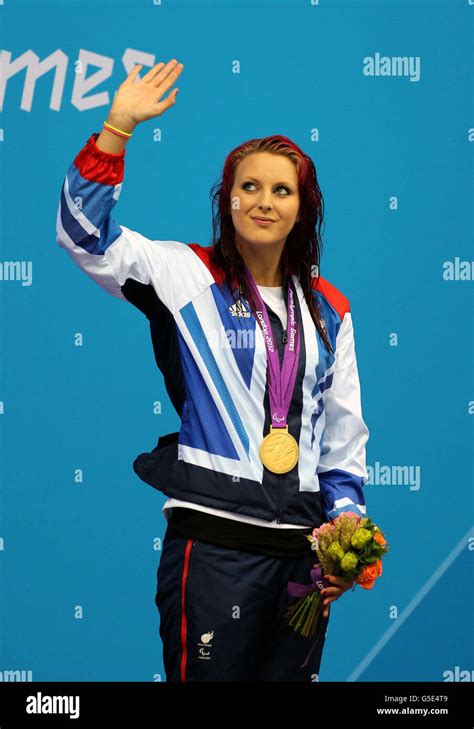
[(56, 66)]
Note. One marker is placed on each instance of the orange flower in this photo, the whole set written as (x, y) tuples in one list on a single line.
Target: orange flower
[(378, 537), (369, 574)]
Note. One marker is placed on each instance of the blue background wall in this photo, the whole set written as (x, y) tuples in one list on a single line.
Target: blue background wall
[(394, 160)]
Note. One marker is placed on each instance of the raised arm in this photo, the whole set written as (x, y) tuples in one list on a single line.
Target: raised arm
[(108, 252)]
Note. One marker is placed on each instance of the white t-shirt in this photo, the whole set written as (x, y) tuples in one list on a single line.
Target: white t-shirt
[(274, 297)]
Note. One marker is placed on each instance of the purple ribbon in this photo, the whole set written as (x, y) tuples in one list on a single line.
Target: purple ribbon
[(318, 582), (280, 383), (297, 589)]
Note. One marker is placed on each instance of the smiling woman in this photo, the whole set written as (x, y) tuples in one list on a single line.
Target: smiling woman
[(261, 202), (272, 440), (273, 179)]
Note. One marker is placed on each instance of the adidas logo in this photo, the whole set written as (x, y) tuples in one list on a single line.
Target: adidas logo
[(238, 309)]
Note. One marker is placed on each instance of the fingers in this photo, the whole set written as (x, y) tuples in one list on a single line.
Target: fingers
[(163, 84), (158, 73), (134, 72), (171, 98), (150, 75), (332, 591), (166, 76), (330, 594), (327, 602)]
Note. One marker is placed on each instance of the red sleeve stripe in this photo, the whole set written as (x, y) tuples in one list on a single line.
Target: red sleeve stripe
[(337, 300), (98, 166)]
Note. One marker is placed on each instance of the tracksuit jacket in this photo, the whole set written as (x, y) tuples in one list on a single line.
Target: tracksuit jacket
[(214, 363)]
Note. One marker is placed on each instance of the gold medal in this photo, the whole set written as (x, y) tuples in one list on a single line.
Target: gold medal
[(279, 450)]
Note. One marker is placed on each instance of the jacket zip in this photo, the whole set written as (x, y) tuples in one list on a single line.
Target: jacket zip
[(279, 514)]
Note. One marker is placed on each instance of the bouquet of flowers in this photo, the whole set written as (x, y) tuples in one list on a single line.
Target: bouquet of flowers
[(350, 546)]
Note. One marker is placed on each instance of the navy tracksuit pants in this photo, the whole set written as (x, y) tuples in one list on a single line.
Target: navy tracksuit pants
[(221, 615)]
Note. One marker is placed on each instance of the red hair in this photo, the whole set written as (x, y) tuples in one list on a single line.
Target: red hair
[(303, 247)]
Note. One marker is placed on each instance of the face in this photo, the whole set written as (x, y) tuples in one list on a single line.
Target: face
[(265, 186)]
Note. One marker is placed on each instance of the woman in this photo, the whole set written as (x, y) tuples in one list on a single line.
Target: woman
[(272, 440)]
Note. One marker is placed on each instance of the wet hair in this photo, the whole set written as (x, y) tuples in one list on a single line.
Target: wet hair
[(302, 252)]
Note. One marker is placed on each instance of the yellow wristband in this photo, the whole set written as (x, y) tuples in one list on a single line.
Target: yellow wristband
[(119, 131)]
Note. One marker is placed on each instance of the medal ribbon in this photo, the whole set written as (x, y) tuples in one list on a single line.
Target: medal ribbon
[(281, 383)]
